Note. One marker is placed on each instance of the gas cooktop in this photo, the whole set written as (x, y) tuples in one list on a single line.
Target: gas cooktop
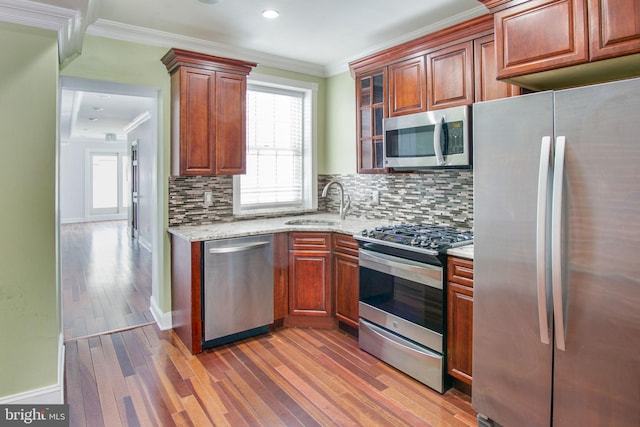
[(430, 238)]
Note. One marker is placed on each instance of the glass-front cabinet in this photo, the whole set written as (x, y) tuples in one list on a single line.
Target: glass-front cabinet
[(371, 94)]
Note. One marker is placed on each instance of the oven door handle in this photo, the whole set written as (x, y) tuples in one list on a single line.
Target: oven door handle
[(426, 274)]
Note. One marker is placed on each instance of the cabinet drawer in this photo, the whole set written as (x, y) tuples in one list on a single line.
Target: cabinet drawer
[(345, 244), (460, 271), (310, 241)]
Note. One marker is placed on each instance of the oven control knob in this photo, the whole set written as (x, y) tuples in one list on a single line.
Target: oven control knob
[(364, 232)]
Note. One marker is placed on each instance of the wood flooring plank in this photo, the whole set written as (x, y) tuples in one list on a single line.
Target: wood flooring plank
[(328, 406), (244, 382), (73, 384), (242, 409), (91, 400), (262, 385), (139, 409), (195, 413), (126, 366), (290, 377), (158, 399), (105, 278), (166, 386), (209, 401), (292, 399), (107, 398), (131, 416)]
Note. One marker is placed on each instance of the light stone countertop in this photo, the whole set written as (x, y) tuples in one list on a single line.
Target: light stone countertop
[(465, 251), (251, 227)]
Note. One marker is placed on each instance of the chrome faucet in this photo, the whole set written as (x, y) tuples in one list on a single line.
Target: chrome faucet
[(344, 207)]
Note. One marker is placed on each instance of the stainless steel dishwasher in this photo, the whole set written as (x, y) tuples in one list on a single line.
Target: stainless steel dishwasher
[(237, 289)]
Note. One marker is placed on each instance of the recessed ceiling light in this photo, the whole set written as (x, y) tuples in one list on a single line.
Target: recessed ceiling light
[(270, 13), (209, 1), (98, 109), (93, 119)]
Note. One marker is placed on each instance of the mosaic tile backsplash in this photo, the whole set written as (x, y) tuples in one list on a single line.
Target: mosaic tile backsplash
[(443, 197)]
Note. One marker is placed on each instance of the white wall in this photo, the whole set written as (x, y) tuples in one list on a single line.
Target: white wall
[(73, 204)]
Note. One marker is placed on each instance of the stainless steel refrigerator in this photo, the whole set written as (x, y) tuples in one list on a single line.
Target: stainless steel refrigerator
[(556, 328)]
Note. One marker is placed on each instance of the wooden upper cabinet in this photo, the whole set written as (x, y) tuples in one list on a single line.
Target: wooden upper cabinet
[(197, 121), (230, 122), (208, 117), (371, 96), (540, 35), (450, 76), (614, 28), (407, 87), (486, 86)]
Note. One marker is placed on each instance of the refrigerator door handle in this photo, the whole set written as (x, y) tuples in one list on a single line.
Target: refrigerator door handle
[(556, 243), (541, 238), (437, 148)]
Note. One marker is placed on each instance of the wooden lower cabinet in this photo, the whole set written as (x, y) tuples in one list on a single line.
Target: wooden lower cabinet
[(460, 318), (280, 277), (310, 280), (186, 295), (346, 279)]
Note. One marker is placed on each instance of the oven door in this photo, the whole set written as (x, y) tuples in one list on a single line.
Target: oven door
[(403, 296)]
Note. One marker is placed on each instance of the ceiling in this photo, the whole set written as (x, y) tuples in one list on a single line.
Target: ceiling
[(316, 37), (101, 116)]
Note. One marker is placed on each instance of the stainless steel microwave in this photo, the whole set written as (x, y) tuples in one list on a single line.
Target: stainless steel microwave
[(433, 139)]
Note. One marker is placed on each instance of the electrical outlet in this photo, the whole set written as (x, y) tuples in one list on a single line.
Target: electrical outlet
[(208, 198), (375, 197)]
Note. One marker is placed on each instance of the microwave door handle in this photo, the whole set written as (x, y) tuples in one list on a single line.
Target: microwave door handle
[(437, 148)]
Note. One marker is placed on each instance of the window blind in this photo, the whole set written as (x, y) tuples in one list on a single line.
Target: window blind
[(274, 149)]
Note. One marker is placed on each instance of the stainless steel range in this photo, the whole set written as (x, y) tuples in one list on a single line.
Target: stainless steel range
[(402, 297)]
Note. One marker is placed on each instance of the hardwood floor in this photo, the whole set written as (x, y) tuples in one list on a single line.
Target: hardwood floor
[(291, 377), (106, 279)]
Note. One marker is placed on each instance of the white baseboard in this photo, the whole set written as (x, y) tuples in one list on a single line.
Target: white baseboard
[(162, 319), (71, 220), (50, 395), (145, 243)]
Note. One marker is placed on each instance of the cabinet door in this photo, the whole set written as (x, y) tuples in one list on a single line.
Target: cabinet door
[(407, 87), (487, 86), (230, 124), (459, 331), (310, 283), (614, 28), (371, 93), (540, 35), (197, 122), (346, 278), (450, 76)]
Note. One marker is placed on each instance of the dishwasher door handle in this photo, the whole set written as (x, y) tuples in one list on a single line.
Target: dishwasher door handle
[(239, 248)]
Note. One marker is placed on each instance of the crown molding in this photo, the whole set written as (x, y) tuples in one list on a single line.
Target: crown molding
[(342, 66), (69, 24), (131, 33)]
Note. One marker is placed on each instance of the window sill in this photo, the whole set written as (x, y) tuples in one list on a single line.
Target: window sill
[(274, 213)]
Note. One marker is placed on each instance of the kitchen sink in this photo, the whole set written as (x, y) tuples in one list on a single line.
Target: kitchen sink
[(312, 222)]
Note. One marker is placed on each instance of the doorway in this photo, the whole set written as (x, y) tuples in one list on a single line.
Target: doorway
[(106, 264)]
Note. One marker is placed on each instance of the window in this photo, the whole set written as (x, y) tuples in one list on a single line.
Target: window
[(108, 190), (281, 170)]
